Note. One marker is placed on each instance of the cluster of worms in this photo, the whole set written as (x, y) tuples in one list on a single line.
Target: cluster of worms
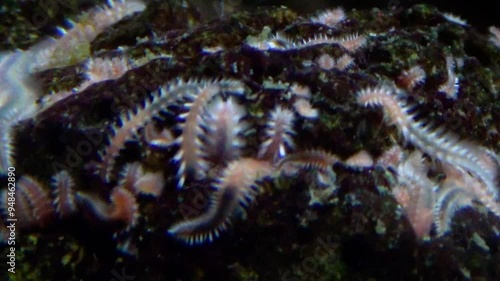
[(214, 123)]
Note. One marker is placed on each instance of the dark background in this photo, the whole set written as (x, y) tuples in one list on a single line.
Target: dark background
[(479, 13)]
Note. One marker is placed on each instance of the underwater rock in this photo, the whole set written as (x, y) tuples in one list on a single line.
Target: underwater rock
[(305, 183)]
